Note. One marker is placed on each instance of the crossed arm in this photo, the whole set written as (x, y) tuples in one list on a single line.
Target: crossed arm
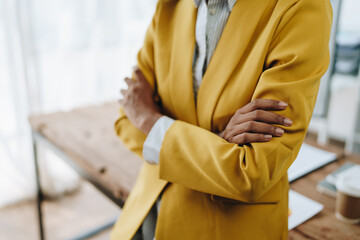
[(252, 123)]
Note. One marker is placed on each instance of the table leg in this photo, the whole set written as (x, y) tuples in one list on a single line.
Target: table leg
[(39, 197)]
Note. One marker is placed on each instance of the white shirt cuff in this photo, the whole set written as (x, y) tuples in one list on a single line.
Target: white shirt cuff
[(153, 142)]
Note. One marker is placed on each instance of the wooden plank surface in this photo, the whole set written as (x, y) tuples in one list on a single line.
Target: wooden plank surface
[(324, 225), (87, 137)]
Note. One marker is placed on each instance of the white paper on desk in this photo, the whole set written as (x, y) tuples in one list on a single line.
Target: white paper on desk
[(301, 209), (309, 159)]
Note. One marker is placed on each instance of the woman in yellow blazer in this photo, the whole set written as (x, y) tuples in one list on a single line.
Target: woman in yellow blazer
[(212, 188)]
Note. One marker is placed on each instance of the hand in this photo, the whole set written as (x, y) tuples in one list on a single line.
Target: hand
[(254, 122), (139, 104)]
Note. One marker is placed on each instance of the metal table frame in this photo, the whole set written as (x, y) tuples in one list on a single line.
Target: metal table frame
[(36, 139)]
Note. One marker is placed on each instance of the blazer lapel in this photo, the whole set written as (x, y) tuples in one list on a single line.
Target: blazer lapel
[(239, 30), (181, 75)]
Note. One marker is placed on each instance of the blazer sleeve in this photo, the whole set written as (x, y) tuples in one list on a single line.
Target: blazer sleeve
[(298, 56), (132, 137)]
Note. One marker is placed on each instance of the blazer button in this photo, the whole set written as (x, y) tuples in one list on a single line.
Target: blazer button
[(212, 11)]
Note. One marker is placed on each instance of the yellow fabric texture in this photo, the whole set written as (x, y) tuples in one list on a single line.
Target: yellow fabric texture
[(212, 189)]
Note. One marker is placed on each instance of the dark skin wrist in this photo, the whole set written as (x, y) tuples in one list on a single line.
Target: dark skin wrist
[(148, 121)]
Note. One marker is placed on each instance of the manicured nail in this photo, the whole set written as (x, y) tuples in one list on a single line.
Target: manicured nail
[(282, 104), (279, 131), (288, 122), (268, 137)]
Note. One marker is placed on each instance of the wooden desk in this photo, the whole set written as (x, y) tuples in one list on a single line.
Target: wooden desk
[(324, 225), (86, 140)]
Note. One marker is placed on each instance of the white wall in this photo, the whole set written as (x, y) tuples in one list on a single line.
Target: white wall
[(350, 16)]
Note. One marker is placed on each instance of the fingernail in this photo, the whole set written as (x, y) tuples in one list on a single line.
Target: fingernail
[(288, 122), (282, 104), (279, 131), (267, 137)]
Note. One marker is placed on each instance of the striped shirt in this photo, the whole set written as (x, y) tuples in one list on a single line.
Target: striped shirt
[(210, 23)]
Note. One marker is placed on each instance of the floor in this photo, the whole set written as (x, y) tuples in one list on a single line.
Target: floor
[(64, 218)]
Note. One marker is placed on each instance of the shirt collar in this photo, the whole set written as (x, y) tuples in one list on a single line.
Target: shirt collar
[(231, 3)]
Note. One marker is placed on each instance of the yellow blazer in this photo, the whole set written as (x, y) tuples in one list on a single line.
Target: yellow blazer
[(212, 189)]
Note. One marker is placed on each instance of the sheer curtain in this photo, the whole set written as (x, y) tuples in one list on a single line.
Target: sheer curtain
[(57, 55)]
